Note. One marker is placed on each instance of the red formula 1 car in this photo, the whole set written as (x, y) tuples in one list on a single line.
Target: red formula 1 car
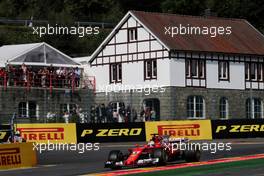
[(158, 151)]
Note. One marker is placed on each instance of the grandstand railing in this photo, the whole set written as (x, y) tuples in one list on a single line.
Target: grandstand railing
[(48, 81)]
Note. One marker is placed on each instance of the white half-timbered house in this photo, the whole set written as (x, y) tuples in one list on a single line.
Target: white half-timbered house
[(190, 76)]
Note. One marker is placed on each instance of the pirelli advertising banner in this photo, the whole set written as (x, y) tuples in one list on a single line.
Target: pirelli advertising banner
[(110, 132), (52, 132), (192, 129), (238, 128), (17, 155)]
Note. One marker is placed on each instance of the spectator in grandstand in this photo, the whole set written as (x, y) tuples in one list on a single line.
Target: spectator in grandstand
[(104, 113), (109, 113), (81, 116), (51, 69), (77, 75), (30, 76), (122, 113), (70, 77), (93, 114), (44, 74), (147, 114), (59, 73), (24, 70), (115, 116), (51, 75), (51, 117), (142, 114), (40, 77), (66, 117), (2, 76), (64, 77), (134, 115), (101, 113), (74, 117), (128, 114), (98, 114), (11, 75), (152, 115)]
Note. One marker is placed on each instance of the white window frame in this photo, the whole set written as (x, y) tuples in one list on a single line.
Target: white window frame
[(68, 107), (255, 71), (200, 67), (247, 71), (188, 68), (226, 106), (24, 107), (196, 63), (153, 74), (27, 109), (252, 108), (118, 69), (132, 34), (194, 107), (260, 71), (224, 70)]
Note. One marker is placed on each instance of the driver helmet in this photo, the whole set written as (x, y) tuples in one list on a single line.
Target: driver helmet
[(17, 133), (151, 143)]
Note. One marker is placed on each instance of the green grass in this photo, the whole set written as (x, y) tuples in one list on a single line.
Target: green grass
[(208, 169)]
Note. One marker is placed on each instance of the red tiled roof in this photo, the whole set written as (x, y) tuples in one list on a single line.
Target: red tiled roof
[(244, 39)]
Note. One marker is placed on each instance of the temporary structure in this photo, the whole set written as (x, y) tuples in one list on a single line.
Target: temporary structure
[(34, 54)]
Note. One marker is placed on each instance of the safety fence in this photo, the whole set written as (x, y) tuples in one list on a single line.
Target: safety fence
[(138, 131), (46, 80)]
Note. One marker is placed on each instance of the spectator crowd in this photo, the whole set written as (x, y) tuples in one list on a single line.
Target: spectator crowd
[(36, 76), (103, 114)]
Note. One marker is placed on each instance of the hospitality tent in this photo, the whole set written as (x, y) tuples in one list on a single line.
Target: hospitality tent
[(34, 54)]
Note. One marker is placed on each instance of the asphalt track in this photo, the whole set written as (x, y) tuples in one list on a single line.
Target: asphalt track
[(72, 163)]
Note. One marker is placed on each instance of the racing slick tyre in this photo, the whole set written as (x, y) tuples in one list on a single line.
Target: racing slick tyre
[(115, 156), (192, 155), (161, 155)]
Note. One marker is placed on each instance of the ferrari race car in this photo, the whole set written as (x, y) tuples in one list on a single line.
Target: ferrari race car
[(158, 151)]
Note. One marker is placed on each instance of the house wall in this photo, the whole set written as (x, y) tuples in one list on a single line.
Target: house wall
[(236, 80), (177, 72), (132, 75)]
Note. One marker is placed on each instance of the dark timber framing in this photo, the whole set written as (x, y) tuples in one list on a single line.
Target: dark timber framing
[(130, 56)]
